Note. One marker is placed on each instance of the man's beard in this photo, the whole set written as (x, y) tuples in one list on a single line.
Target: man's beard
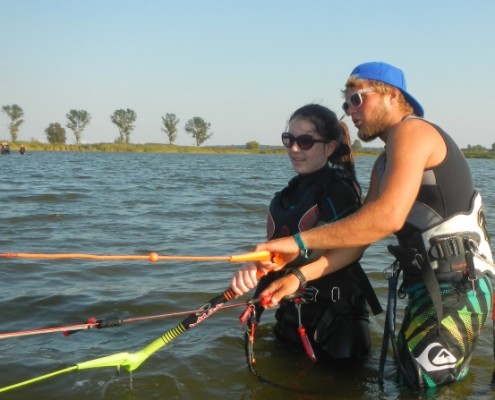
[(374, 129)]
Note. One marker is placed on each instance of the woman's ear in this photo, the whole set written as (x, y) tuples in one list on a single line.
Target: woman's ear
[(330, 147)]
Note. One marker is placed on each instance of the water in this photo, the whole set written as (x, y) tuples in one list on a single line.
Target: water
[(112, 203)]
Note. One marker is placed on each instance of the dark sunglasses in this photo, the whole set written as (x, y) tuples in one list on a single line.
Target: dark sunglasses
[(304, 142), (356, 99)]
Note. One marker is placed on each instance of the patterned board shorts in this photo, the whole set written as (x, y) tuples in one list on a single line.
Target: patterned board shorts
[(429, 359)]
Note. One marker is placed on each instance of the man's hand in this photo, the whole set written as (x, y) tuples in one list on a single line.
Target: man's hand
[(283, 250)]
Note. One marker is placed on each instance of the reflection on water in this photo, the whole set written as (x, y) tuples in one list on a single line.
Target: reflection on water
[(106, 203)]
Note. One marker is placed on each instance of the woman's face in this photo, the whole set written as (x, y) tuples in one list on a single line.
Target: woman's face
[(311, 160)]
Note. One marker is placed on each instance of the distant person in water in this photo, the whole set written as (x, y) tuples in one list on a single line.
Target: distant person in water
[(324, 190), (5, 148), (22, 150)]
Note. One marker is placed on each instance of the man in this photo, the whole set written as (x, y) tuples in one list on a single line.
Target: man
[(421, 190)]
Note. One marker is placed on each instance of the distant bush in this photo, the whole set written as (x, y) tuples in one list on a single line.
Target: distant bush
[(253, 145)]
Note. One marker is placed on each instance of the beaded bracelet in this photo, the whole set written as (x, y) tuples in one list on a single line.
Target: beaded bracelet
[(302, 247)]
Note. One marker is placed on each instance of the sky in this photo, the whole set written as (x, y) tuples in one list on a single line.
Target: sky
[(243, 66)]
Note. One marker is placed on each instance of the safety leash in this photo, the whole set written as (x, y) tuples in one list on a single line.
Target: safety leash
[(302, 332), (249, 322), (392, 275)]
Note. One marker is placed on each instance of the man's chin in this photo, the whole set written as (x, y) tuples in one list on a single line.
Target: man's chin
[(367, 137)]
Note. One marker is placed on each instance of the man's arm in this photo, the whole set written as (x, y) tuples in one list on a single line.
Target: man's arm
[(331, 261), (411, 147)]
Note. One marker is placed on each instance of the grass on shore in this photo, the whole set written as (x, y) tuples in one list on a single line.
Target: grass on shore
[(172, 148)]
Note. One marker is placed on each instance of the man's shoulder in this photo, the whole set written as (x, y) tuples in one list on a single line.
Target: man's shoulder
[(413, 131), (416, 140)]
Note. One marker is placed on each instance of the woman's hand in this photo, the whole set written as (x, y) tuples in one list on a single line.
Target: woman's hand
[(244, 279), (284, 286)]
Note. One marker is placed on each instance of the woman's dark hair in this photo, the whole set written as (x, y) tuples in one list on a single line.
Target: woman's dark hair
[(329, 127)]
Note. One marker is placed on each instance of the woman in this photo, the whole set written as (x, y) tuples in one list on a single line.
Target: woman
[(325, 189)]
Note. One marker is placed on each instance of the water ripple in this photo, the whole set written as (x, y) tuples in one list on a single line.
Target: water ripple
[(103, 203)]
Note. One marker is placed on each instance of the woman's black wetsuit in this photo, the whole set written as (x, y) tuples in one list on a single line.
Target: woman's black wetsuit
[(337, 322)]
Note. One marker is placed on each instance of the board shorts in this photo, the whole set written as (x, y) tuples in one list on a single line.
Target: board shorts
[(429, 357)]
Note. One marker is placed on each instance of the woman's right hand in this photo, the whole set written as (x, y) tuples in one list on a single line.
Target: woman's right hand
[(244, 279)]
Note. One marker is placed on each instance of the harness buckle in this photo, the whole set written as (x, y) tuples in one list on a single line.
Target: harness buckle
[(305, 295), (392, 270)]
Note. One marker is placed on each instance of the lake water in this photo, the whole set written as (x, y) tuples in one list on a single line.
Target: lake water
[(206, 205)]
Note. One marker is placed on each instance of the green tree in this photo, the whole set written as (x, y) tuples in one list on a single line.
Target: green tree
[(124, 119), (170, 126), (16, 114), (198, 128), (493, 146), (477, 147), (55, 133), (356, 145), (77, 120), (253, 145)]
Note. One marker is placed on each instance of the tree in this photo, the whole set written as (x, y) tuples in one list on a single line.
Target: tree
[(55, 133), (253, 145), (170, 127), (477, 147), (198, 128), (77, 121), (124, 119), (493, 146), (356, 145), (16, 115)]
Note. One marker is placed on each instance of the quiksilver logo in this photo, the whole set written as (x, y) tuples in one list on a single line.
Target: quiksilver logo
[(436, 358)]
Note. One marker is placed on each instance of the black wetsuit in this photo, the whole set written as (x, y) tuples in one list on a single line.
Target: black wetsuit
[(337, 322)]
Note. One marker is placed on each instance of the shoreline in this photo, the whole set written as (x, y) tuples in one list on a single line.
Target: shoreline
[(172, 148)]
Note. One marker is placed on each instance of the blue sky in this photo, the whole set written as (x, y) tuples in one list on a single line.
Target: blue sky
[(243, 66)]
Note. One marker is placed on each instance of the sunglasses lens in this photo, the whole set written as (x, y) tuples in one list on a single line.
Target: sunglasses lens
[(345, 107), (305, 142), (287, 140), (356, 100)]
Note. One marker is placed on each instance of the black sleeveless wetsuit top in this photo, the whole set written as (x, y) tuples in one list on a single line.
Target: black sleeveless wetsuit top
[(441, 194)]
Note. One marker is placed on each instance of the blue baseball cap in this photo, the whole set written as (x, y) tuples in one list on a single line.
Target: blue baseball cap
[(386, 73)]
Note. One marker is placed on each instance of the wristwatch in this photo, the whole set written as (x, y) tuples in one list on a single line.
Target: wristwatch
[(300, 276)]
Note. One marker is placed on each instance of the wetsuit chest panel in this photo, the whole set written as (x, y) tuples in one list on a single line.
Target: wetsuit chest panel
[(325, 196), (441, 193)]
